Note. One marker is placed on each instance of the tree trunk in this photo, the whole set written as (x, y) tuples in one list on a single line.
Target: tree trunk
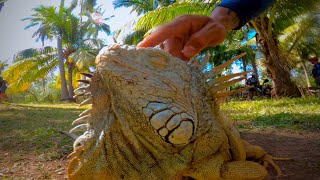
[(277, 65), (64, 89), (44, 89), (255, 69), (306, 74), (71, 67), (244, 63)]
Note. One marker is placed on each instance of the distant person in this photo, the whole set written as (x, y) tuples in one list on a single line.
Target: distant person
[(3, 85), (3, 88), (252, 81), (316, 70)]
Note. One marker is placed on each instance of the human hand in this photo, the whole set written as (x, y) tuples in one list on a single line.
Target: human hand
[(187, 35)]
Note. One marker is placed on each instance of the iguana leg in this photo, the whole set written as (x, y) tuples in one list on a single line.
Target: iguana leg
[(254, 152), (215, 168), (243, 170)]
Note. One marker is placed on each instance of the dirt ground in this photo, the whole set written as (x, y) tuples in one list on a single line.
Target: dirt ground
[(302, 147)]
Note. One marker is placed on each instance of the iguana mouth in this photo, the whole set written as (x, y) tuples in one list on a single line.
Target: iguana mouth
[(171, 123)]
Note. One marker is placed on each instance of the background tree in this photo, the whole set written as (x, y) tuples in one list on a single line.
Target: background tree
[(268, 26), (302, 39), (72, 35), (51, 23), (79, 50)]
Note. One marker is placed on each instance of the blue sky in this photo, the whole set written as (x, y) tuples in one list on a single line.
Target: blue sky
[(14, 38)]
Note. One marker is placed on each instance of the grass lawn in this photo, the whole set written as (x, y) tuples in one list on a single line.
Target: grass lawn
[(31, 132), (293, 114)]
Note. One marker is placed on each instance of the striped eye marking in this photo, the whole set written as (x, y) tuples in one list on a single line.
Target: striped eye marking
[(173, 125)]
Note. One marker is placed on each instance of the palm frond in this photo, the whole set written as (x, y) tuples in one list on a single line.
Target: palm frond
[(307, 26), (135, 37), (30, 65), (166, 14), (83, 58), (288, 10)]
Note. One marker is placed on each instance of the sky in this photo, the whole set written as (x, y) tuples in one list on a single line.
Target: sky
[(14, 38)]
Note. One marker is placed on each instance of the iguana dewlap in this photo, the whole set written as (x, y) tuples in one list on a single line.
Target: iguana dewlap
[(154, 116)]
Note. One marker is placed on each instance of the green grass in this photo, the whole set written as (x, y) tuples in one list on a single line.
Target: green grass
[(294, 114), (35, 128)]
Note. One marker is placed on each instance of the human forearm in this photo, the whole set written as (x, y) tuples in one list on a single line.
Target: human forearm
[(225, 16), (246, 9)]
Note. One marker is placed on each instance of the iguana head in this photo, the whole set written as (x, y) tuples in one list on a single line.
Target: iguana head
[(151, 91)]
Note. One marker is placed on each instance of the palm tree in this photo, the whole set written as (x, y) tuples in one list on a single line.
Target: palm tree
[(79, 49), (51, 23), (302, 39), (70, 33), (269, 28)]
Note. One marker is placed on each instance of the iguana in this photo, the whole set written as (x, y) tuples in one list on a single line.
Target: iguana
[(154, 116)]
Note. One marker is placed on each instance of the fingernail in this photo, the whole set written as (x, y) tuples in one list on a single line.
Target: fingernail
[(189, 51)]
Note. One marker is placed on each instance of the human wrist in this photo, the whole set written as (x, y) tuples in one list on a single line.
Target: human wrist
[(226, 17)]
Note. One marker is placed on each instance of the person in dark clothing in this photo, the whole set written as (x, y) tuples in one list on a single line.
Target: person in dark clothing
[(3, 85), (187, 35), (252, 81), (3, 88), (316, 70)]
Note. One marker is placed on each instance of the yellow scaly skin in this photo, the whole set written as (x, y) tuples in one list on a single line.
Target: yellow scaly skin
[(154, 117)]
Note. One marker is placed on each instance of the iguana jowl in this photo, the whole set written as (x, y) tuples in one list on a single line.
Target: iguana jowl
[(154, 116)]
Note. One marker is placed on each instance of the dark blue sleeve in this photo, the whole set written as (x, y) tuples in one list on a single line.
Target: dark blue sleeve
[(246, 9), (318, 69)]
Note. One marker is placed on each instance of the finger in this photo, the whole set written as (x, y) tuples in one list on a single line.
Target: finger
[(179, 27), (156, 37), (174, 47), (212, 34)]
